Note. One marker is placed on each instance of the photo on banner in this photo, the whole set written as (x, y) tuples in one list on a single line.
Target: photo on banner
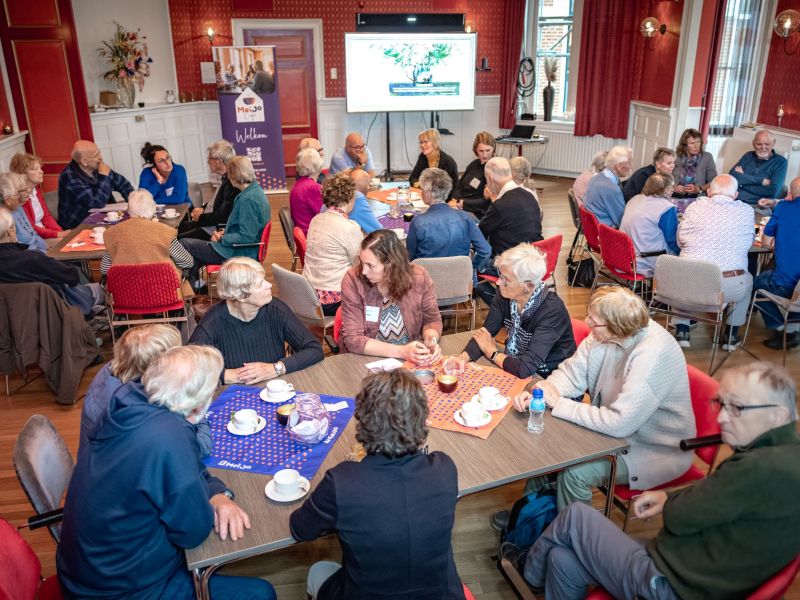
[(250, 110)]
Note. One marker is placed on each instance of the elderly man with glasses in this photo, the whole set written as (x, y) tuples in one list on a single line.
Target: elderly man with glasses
[(355, 156), (722, 537)]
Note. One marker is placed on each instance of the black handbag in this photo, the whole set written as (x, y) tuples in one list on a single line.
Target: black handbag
[(580, 273)]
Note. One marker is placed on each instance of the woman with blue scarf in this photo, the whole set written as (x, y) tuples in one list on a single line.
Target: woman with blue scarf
[(536, 321)]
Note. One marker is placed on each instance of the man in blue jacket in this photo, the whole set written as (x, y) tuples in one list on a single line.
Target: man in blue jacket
[(760, 172), (604, 197), (140, 495)]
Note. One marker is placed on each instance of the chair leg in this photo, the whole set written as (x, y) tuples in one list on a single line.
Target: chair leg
[(749, 316), (8, 389), (472, 316), (596, 275), (786, 318), (627, 512)]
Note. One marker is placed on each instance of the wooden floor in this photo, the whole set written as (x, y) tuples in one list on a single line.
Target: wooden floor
[(474, 542)]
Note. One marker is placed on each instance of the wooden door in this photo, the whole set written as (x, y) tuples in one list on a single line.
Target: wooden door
[(294, 56), (44, 71)]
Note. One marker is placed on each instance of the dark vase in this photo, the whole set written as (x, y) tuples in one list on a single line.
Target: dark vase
[(548, 95)]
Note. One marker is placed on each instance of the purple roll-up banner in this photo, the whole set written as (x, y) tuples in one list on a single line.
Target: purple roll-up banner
[(250, 111)]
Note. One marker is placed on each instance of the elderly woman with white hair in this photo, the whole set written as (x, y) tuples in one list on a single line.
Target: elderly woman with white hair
[(141, 240), (14, 192), (251, 328), (536, 322), (205, 221), (636, 376), (305, 198), (603, 196), (140, 495), (432, 157), (242, 235), (582, 181)]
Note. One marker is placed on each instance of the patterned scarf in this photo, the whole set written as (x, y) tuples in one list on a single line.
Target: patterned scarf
[(518, 339), (340, 211), (688, 175)]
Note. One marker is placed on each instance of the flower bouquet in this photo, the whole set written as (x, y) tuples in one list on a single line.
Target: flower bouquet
[(127, 55)]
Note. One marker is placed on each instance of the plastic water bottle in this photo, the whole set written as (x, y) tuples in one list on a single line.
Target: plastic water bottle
[(536, 410)]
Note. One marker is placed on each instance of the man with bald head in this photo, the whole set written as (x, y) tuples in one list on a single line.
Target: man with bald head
[(85, 183), (314, 144), (355, 156), (781, 234), (761, 172)]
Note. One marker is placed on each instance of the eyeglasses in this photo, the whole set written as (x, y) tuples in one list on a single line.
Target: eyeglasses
[(424, 142), (506, 283), (164, 161), (361, 147), (591, 322), (735, 410)]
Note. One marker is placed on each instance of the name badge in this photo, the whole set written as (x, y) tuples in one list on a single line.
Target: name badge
[(373, 314), (169, 191), (476, 183)]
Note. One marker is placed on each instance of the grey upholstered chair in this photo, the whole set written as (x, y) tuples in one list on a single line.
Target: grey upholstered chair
[(691, 289), (298, 294), (43, 466), (287, 224), (787, 306), (452, 281), (196, 194), (51, 201)]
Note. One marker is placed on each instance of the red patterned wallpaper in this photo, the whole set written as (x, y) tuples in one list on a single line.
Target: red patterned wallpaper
[(188, 16), (660, 56), (782, 79)]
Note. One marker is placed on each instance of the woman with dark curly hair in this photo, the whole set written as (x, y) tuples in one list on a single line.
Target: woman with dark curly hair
[(388, 304), (333, 242), (165, 180), (393, 511)]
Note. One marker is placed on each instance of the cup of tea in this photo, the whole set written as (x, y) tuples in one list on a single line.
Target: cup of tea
[(287, 482), (283, 413), (472, 412), (113, 215), (170, 213), (447, 383), (278, 387), (246, 420), (98, 231)]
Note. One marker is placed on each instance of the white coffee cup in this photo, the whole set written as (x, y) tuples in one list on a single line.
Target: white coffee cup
[(98, 239), (246, 420), (170, 212), (98, 231), (113, 215), (287, 482), (472, 412), (487, 395), (278, 387)]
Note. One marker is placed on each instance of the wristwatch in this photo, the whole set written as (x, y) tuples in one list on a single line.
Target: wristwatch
[(495, 353), (280, 369), (228, 494)]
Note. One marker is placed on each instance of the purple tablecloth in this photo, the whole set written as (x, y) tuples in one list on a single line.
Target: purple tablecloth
[(97, 219), (389, 222)]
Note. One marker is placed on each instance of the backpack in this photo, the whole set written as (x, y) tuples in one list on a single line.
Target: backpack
[(530, 516)]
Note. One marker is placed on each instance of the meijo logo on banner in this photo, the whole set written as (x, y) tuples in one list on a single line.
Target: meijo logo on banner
[(249, 107)]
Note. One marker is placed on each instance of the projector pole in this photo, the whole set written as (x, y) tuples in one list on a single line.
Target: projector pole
[(389, 176)]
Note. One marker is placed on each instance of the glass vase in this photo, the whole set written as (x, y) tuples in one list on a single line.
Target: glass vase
[(126, 91)]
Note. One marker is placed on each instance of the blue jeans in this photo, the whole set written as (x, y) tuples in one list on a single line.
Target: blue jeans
[(773, 318), (203, 254), (222, 587), (484, 289)]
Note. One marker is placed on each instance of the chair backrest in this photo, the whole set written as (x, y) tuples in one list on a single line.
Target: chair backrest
[(551, 247), (574, 209), (688, 281), (196, 194), (580, 330), (795, 306), (146, 285), (778, 584), (21, 566), (617, 250), (591, 229), (299, 295), (51, 201), (300, 244), (262, 250), (43, 466), (285, 215), (702, 388), (452, 277), (337, 325)]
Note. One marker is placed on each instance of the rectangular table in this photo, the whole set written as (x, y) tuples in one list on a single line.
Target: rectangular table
[(509, 454), (85, 258)]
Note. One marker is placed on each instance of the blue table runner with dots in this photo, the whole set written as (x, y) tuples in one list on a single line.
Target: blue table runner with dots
[(271, 449)]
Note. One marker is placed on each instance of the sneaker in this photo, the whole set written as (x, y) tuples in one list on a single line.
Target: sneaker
[(516, 556), (735, 342), (500, 519), (682, 337), (776, 341)]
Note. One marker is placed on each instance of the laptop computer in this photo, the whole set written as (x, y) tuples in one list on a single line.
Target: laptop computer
[(520, 133)]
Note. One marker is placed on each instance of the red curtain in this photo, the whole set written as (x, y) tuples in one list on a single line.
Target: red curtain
[(611, 48), (713, 62), (512, 48)]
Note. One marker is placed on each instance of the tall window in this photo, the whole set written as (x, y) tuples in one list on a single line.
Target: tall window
[(554, 39), (735, 69)]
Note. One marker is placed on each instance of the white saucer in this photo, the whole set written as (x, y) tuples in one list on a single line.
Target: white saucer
[(107, 220), (487, 418), (236, 431), (476, 398), (166, 216), (272, 494), (264, 395)]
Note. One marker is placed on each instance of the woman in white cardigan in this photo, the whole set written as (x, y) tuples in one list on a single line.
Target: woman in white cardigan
[(333, 242), (636, 376)]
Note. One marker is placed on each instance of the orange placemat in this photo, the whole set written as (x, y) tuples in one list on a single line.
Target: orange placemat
[(383, 195), (88, 245), (443, 406)]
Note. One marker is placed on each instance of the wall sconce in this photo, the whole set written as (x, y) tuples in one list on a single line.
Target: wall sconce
[(650, 27), (780, 115), (470, 27), (209, 32), (786, 25)]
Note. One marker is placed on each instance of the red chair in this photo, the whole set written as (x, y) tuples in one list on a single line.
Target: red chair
[(144, 289), (22, 569), (591, 232), (262, 246), (300, 245), (702, 389), (618, 257), (580, 330), (467, 594), (337, 325), (774, 588), (551, 248)]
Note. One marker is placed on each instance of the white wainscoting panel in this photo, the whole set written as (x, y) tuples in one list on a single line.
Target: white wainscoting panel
[(652, 127), (185, 130), (9, 146)]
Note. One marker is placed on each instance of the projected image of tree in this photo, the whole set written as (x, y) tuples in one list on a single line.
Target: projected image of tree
[(417, 61)]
